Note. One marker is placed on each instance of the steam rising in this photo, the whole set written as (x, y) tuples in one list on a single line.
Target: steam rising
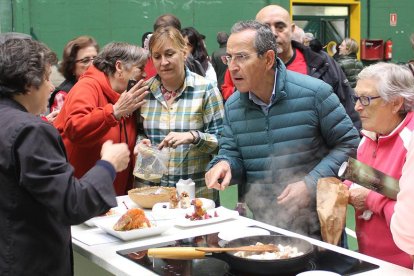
[(261, 197)]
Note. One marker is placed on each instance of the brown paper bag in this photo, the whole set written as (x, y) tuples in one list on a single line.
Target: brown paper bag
[(331, 202)]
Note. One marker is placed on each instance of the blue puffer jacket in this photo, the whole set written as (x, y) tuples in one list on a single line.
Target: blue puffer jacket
[(306, 135)]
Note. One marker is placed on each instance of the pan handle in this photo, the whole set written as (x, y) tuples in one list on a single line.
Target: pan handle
[(176, 253)]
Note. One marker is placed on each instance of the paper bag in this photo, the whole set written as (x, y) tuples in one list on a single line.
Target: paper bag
[(331, 203)]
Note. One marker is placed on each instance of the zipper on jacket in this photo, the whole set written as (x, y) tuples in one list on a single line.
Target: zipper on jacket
[(374, 154)]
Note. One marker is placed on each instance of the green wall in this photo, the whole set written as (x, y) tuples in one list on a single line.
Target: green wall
[(5, 16), (57, 21), (379, 25)]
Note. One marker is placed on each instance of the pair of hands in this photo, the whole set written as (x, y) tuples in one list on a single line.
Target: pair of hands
[(293, 197), (172, 140), (131, 100)]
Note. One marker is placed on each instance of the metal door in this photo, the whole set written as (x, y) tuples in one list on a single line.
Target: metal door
[(326, 23)]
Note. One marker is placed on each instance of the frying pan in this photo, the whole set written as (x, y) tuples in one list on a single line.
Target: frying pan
[(269, 267)]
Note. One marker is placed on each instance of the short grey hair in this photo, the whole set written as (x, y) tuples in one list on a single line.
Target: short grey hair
[(264, 41), (128, 54), (23, 63), (392, 81), (309, 36)]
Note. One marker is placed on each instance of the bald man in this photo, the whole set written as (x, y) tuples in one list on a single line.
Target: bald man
[(303, 60)]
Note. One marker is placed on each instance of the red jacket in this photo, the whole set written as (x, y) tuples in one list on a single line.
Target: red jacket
[(86, 122), (150, 70), (386, 154), (227, 88)]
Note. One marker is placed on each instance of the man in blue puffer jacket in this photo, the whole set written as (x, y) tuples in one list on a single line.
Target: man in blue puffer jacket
[(282, 132)]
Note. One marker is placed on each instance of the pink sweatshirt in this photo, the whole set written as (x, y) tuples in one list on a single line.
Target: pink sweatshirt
[(386, 154), (402, 222)]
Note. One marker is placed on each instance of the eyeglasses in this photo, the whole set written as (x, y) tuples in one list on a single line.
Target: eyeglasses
[(364, 100), (85, 61), (238, 58)]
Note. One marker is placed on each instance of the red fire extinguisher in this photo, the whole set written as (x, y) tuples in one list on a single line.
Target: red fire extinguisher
[(388, 49)]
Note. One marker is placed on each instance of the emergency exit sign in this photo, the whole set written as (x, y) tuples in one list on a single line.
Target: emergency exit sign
[(393, 19)]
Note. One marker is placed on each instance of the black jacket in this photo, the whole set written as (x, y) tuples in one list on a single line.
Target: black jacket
[(40, 199), (351, 67), (322, 66), (194, 65)]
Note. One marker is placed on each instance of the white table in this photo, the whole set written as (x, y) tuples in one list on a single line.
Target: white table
[(105, 256)]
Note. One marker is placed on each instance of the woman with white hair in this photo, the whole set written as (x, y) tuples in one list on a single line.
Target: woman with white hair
[(384, 97)]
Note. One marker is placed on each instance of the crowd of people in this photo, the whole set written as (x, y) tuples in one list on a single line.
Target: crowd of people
[(266, 111)]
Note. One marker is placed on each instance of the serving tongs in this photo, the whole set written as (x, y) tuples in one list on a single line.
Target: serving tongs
[(180, 253)]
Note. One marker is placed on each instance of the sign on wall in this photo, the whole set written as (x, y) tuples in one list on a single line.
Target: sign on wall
[(393, 19)]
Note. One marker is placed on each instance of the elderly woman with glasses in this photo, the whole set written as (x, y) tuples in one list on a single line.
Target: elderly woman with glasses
[(78, 55), (100, 108), (183, 112), (384, 100)]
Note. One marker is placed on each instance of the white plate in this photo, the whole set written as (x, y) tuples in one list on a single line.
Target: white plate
[(156, 229), (241, 232), (223, 214), (117, 211), (162, 210)]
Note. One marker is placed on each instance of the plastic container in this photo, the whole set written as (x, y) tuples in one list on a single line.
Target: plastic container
[(151, 163)]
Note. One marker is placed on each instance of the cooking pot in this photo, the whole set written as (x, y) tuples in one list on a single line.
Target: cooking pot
[(251, 266)]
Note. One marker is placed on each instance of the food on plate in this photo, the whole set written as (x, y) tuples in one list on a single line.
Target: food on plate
[(199, 212), (174, 201), (185, 200), (132, 219), (282, 252)]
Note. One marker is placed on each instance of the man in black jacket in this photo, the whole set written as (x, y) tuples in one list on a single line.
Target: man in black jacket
[(302, 59)]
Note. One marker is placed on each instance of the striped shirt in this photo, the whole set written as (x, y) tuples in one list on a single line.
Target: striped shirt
[(199, 107)]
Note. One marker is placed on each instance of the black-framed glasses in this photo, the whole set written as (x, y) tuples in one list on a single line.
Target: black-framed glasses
[(238, 58), (85, 61), (364, 100)]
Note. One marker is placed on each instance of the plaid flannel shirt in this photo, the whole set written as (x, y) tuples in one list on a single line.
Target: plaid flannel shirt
[(199, 106)]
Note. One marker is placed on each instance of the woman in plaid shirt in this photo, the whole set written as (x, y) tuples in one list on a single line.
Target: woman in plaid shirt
[(183, 112)]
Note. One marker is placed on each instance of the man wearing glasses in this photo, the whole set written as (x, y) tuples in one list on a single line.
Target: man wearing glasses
[(282, 132)]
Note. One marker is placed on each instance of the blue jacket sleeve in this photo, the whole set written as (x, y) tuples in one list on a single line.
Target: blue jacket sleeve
[(338, 132)]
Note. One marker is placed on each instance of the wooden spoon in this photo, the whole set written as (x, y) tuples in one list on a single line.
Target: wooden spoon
[(180, 253), (249, 248)]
